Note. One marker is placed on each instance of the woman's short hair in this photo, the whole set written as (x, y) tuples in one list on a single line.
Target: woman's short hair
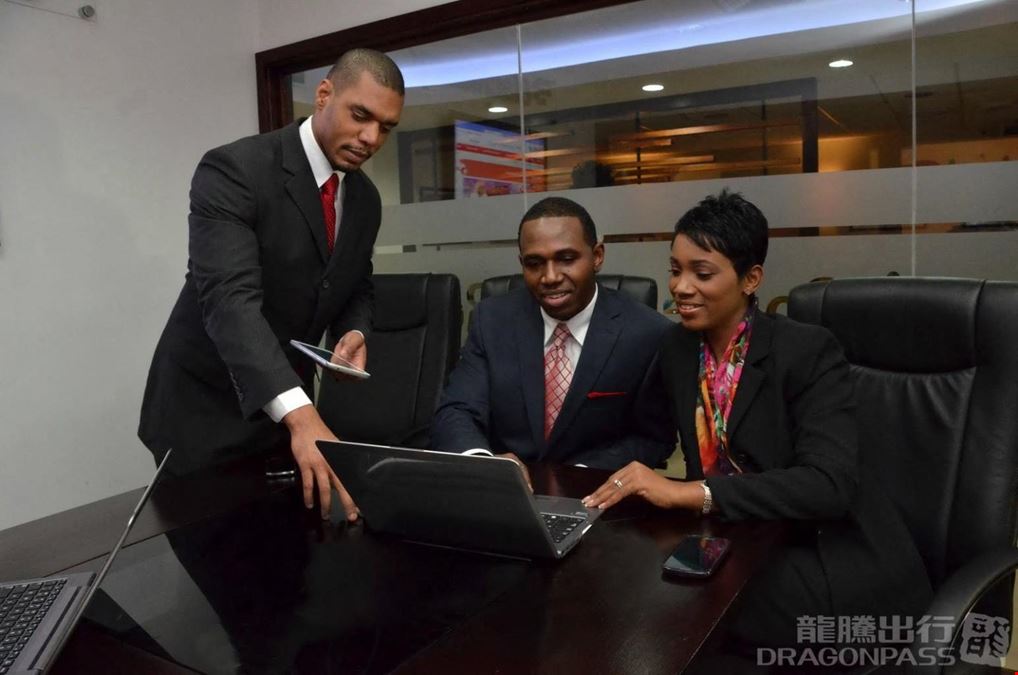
[(730, 225)]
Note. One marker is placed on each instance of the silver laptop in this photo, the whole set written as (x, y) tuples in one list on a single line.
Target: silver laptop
[(460, 501), (38, 615)]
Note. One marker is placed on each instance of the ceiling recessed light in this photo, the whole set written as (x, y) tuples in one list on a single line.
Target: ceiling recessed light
[(498, 109), (840, 63), (653, 87)]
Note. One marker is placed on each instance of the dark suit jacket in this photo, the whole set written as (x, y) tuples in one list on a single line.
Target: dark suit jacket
[(614, 411), (792, 428), (259, 274)]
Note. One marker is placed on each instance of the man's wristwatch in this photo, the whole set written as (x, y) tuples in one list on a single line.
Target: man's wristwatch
[(708, 499)]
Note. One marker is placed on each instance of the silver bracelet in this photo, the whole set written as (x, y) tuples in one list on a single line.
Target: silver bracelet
[(708, 499)]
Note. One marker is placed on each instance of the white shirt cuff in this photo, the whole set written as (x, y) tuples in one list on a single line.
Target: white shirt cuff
[(477, 451), (285, 403)]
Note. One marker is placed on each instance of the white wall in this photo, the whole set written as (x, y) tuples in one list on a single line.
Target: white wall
[(281, 24), (101, 125)]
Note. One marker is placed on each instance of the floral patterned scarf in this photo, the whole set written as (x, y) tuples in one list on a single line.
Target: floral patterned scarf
[(718, 383)]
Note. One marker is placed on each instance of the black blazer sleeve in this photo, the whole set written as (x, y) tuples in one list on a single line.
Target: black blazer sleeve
[(224, 263)]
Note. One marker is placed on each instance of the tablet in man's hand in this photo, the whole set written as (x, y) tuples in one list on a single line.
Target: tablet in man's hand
[(327, 359)]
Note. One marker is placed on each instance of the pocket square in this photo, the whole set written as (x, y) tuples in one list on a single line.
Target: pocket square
[(603, 394)]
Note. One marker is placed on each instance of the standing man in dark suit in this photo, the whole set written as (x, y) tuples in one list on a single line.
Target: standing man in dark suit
[(563, 370), (281, 232)]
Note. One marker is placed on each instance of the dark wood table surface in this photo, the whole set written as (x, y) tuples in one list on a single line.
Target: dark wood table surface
[(605, 608)]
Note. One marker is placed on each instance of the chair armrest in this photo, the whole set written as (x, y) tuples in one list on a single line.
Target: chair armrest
[(960, 592)]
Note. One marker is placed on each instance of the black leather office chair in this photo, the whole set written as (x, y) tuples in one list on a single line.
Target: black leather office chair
[(642, 289), (413, 347), (936, 368)]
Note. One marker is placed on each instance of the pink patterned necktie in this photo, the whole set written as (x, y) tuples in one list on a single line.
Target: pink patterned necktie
[(558, 373), (329, 209)]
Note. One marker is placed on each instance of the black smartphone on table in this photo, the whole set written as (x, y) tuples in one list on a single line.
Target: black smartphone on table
[(697, 556)]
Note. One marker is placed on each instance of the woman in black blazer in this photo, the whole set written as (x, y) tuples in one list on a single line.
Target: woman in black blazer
[(765, 411)]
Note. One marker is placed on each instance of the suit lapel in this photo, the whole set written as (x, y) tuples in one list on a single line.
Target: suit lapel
[(530, 346), (302, 188), (603, 332), (752, 376)]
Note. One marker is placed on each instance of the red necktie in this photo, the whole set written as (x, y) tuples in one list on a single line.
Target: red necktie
[(558, 373), (329, 209)]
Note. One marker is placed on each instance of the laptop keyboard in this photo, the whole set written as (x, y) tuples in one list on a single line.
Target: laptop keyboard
[(22, 608), (560, 526)]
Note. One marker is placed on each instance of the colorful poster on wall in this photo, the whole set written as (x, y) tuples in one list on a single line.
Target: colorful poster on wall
[(488, 162)]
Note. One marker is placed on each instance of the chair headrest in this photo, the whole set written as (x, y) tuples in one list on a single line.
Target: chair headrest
[(400, 301), (643, 289), (903, 324)]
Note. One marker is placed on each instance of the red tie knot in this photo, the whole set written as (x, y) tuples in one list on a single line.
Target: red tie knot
[(329, 187), (560, 335)]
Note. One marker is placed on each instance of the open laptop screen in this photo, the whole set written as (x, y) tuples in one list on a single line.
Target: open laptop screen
[(38, 616)]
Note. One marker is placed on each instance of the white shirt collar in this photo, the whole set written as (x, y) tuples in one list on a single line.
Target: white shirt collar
[(577, 325), (320, 165)]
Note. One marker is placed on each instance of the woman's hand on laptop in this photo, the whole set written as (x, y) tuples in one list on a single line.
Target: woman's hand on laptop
[(306, 427), (523, 467)]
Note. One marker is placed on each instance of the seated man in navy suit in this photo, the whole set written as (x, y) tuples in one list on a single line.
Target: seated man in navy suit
[(563, 370)]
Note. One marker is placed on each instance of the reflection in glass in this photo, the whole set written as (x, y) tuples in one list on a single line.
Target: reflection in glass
[(658, 91), (269, 588), (966, 109), (967, 85), (716, 90), (487, 161), (459, 135)]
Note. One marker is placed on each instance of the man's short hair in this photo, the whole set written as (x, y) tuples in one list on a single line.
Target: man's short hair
[(348, 68), (729, 225), (560, 207)]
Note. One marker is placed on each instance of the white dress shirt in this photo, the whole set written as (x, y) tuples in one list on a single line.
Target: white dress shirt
[(577, 326), (322, 169)]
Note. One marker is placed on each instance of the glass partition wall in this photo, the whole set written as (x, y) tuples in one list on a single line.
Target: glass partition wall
[(876, 135)]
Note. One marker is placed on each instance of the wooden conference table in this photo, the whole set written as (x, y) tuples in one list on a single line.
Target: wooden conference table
[(226, 572)]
